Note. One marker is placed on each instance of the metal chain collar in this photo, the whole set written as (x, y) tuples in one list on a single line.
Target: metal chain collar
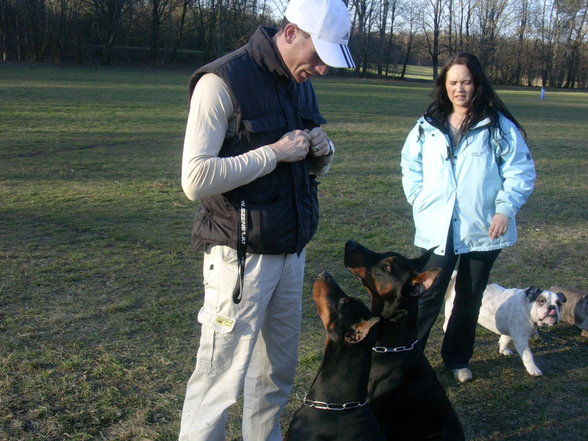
[(383, 349), (332, 406), (354, 404)]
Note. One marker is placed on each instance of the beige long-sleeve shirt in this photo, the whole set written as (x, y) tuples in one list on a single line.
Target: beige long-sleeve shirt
[(210, 121)]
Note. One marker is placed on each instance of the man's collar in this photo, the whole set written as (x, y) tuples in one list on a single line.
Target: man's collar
[(264, 49)]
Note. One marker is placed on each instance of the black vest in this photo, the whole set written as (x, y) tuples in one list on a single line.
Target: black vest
[(282, 206)]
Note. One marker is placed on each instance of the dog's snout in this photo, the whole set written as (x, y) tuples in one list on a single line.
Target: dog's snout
[(323, 275)]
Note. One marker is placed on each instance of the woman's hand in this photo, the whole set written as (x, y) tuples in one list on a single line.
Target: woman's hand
[(498, 226)]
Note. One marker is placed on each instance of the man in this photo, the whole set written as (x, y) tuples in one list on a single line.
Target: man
[(252, 150)]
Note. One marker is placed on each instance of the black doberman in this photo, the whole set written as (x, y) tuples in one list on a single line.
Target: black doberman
[(406, 396), (336, 407)]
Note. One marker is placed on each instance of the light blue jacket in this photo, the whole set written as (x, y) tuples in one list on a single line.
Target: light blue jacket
[(489, 172)]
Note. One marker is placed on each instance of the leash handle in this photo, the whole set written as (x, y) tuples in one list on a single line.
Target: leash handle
[(241, 252)]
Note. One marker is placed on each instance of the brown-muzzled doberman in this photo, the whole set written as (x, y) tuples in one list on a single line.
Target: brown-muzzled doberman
[(335, 407), (406, 396)]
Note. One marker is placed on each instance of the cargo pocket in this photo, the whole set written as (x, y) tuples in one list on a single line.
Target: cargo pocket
[(218, 315), (220, 276), (217, 342)]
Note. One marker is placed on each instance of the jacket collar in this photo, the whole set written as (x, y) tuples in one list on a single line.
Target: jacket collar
[(438, 120), (263, 49)]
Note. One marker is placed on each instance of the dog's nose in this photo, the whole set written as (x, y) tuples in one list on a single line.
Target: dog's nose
[(323, 275)]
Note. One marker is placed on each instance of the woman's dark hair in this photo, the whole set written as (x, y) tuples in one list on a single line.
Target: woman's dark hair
[(484, 102)]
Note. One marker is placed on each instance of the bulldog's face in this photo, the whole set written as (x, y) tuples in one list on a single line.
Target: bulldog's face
[(545, 305)]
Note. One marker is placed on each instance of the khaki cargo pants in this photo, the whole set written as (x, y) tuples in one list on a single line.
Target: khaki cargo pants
[(249, 347)]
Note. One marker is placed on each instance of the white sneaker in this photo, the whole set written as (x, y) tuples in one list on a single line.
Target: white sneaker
[(462, 375)]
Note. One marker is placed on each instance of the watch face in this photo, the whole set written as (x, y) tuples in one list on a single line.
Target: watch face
[(331, 147)]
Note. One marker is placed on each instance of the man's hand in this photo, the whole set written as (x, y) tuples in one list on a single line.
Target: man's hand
[(319, 143), (292, 147), (498, 226)]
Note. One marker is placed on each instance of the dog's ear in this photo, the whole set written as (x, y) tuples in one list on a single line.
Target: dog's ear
[(423, 281), (419, 262), (562, 298), (532, 293), (360, 330)]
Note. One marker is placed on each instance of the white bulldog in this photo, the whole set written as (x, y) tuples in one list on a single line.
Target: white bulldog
[(514, 314)]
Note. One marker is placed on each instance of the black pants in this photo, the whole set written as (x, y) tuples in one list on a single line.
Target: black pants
[(473, 272)]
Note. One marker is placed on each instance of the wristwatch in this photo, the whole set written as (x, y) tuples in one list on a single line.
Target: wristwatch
[(331, 147)]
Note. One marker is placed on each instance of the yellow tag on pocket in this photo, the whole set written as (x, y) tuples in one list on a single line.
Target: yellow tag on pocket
[(224, 322)]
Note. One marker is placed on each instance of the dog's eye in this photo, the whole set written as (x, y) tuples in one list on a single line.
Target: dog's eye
[(387, 267), (541, 301)]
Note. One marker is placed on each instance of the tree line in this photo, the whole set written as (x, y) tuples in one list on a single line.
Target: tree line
[(521, 42)]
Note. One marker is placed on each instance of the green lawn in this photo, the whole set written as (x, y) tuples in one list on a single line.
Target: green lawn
[(419, 72), (99, 289)]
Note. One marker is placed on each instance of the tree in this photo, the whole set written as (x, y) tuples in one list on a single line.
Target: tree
[(433, 10), (180, 27), (573, 19), (107, 19), (362, 25), (523, 20), (490, 14), (411, 12), (461, 23)]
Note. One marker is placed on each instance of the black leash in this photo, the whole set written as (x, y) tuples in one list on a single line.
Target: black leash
[(241, 252)]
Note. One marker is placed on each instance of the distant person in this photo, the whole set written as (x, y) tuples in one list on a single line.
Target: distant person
[(466, 171), (253, 147), (542, 94)]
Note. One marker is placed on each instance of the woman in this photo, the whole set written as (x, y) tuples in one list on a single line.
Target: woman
[(466, 171)]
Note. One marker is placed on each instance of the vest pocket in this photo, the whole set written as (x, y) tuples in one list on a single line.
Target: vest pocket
[(312, 119), (267, 123)]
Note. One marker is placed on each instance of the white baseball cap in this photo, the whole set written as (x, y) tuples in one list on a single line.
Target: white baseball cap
[(327, 22)]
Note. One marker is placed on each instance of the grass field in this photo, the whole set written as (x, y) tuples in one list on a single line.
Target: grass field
[(418, 72), (99, 289)]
